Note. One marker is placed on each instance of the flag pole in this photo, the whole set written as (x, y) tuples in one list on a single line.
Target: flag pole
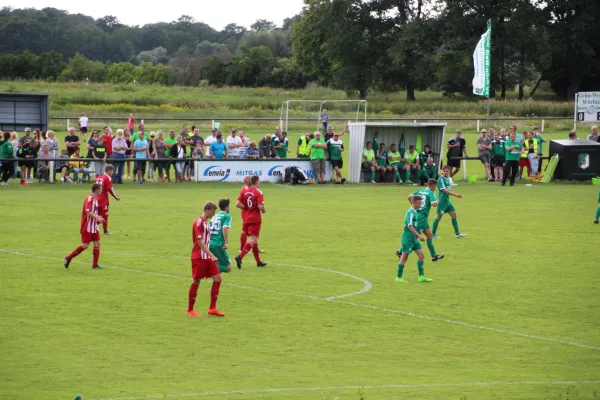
[(489, 23)]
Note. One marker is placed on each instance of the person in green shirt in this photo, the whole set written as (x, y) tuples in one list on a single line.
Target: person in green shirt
[(279, 144), (382, 161), (597, 210), (170, 141), (540, 140), (335, 147), (219, 236), (512, 149), (396, 161), (444, 204), (429, 200), (6, 151), (412, 163), (317, 157), (369, 161), (429, 171), (411, 236), (498, 156)]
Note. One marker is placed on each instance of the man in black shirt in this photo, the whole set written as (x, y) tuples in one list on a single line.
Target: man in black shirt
[(72, 142), (457, 147)]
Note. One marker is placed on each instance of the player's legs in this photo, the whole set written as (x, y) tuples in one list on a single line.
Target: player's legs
[(401, 262), (486, 165), (436, 222), (514, 167), (431, 247), (420, 266), (214, 295), (96, 254), (597, 215), (407, 173), (192, 293), (372, 167), (78, 250), (104, 214)]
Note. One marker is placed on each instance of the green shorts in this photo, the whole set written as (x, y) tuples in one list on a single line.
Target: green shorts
[(398, 164), (445, 208), (408, 247), (223, 260)]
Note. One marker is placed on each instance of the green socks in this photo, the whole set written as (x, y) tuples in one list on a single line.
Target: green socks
[(455, 225), (431, 248), (400, 270), (597, 213), (420, 266), (407, 174), (436, 222), (372, 175), (398, 176)]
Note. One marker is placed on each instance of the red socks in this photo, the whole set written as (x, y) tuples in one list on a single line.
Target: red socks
[(243, 239), (214, 294), (246, 249), (105, 224), (256, 253), (96, 256), (76, 252), (192, 296)]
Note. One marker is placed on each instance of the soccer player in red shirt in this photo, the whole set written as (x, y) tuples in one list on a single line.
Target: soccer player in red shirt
[(204, 262), (247, 185), (89, 228), (251, 201), (105, 183)]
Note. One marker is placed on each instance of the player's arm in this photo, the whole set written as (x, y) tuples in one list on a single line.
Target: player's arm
[(340, 133), (451, 193), (226, 236), (414, 232), (239, 204), (114, 194), (262, 208), (433, 200), (205, 248)]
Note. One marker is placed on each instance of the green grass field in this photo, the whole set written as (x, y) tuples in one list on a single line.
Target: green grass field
[(512, 312)]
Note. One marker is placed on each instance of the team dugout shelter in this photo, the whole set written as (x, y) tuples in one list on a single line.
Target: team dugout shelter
[(23, 110), (388, 133)]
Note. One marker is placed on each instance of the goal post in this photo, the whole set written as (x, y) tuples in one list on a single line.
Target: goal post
[(338, 110)]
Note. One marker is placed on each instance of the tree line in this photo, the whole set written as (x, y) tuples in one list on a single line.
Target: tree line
[(352, 45)]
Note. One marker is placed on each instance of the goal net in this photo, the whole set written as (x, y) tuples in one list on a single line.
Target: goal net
[(306, 114)]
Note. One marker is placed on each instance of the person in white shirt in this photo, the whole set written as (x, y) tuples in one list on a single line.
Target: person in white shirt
[(83, 125), (234, 143), (209, 140)]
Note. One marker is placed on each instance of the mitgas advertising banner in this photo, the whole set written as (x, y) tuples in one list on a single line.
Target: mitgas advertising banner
[(235, 171)]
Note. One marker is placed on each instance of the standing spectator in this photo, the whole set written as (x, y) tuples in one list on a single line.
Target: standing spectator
[(178, 152), (498, 155), (83, 125), (302, 147), (196, 138), (412, 163), (245, 143), (317, 157), (520, 138), (25, 138), (511, 166), (52, 143), (99, 154), (594, 136), (79, 166), (369, 161), (533, 153), (329, 132), (279, 144), (35, 150), (128, 153), (72, 141), (15, 146), (140, 147), (540, 141), (218, 149), (108, 139), (523, 160), (25, 155), (484, 145), (382, 162), (324, 119), (6, 151), (131, 123), (187, 141), (170, 141), (160, 151), (336, 147), (286, 143), (151, 164), (251, 152), (573, 135), (209, 140), (91, 145), (233, 144), (457, 147), (119, 146), (265, 148), (135, 136)]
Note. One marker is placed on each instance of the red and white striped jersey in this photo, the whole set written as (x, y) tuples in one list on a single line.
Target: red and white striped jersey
[(200, 230), (89, 224)]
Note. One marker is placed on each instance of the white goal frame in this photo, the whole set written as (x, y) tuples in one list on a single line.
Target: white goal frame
[(285, 110)]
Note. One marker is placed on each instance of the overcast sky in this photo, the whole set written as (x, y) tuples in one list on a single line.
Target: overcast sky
[(216, 13)]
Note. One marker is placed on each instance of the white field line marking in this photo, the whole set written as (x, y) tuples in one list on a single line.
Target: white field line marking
[(367, 387), (367, 306)]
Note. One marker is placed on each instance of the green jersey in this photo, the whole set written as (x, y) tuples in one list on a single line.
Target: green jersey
[(428, 198), (382, 159), (217, 223), (171, 142), (334, 147), (498, 147), (282, 152), (513, 155), (540, 141), (444, 183), (315, 152), (410, 219)]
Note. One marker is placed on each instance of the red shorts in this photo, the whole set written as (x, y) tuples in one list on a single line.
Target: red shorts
[(251, 229), (87, 237), (523, 162), (103, 211), (204, 269)]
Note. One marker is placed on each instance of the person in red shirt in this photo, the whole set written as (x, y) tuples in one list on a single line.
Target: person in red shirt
[(204, 262), (251, 201), (89, 228), (108, 139), (247, 185), (105, 183)]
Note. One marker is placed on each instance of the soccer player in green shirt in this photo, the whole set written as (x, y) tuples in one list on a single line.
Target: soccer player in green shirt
[(219, 236), (382, 161), (410, 242), (597, 210), (444, 204), (335, 147), (429, 200), (396, 161), (369, 161)]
